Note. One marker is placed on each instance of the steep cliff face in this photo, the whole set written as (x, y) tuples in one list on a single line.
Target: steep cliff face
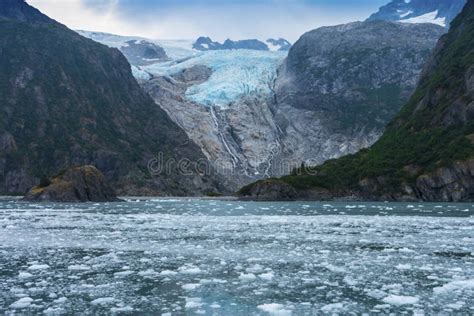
[(66, 100), (341, 85), (427, 152)]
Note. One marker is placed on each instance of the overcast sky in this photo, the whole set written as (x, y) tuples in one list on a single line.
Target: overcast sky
[(219, 19)]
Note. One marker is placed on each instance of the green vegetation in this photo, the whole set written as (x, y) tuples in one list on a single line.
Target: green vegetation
[(68, 100)]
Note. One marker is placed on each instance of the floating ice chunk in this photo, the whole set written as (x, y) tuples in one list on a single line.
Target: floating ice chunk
[(123, 273), (147, 273), (168, 273), (38, 267), (78, 267), (331, 308), (267, 276), (22, 303), (378, 294), (404, 267), (124, 309), (275, 309), (24, 275), (333, 268), (456, 306), (60, 300), (455, 286), (401, 300), (247, 277), (255, 269), (191, 286), (189, 270), (103, 301), (193, 302)]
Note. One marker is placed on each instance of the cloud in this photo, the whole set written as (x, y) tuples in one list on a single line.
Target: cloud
[(188, 19)]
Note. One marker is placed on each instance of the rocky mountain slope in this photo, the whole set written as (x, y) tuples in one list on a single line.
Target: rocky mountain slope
[(440, 12), (138, 51), (271, 44), (427, 151), (66, 100), (341, 85)]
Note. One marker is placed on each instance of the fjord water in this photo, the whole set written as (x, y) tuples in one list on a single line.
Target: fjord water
[(218, 257)]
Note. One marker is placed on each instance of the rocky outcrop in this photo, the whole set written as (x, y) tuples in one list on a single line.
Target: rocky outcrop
[(270, 190), (78, 184), (450, 184), (140, 53)]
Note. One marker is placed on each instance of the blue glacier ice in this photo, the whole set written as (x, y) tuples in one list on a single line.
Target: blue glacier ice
[(236, 73)]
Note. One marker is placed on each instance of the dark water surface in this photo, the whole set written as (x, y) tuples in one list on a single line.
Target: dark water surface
[(191, 256)]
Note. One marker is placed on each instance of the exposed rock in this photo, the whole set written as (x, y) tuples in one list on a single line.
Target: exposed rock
[(78, 184), (140, 53), (450, 184), (206, 44), (272, 190), (341, 85)]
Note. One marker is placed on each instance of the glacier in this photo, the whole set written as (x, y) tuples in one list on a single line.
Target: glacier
[(236, 73)]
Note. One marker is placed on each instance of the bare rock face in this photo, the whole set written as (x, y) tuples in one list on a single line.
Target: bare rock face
[(78, 184)]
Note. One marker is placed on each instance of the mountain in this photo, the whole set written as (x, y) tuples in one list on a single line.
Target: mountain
[(66, 100), (426, 152), (206, 44), (259, 113), (440, 12), (341, 85), (263, 114)]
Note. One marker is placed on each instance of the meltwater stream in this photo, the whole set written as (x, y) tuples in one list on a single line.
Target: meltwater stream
[(191, 256)]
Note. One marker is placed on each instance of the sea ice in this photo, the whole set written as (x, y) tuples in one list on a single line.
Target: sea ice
[(401, 300)]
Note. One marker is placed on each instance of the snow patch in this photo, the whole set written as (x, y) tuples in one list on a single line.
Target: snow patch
[(431, 17)]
